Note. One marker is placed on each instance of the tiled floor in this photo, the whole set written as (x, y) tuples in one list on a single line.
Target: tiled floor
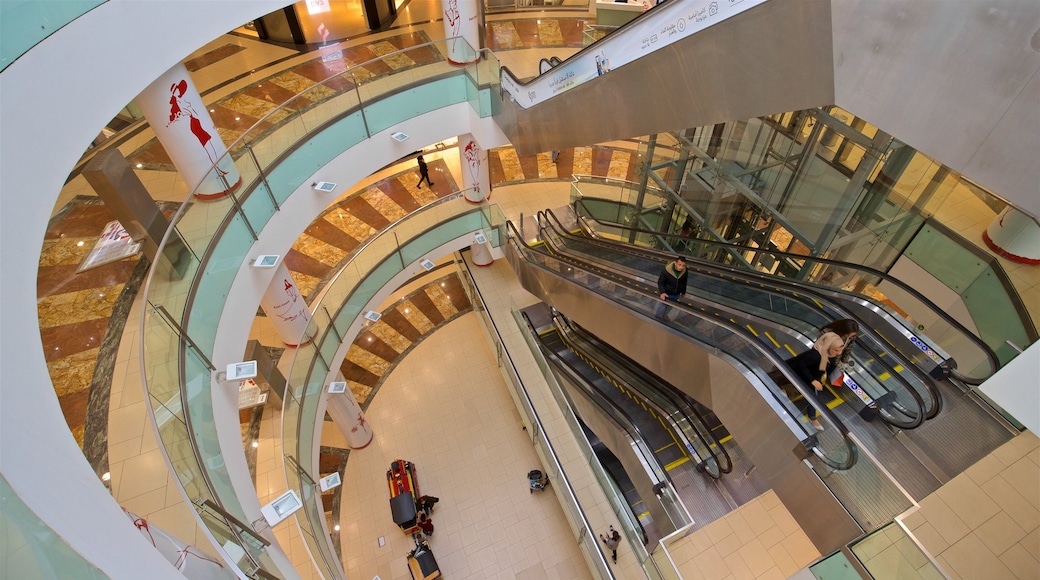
[(140, 482)]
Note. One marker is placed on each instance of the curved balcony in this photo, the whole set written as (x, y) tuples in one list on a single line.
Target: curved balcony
[(207, 246)]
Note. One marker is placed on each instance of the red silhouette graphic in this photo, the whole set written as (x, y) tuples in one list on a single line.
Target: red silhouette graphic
[(181, 107)]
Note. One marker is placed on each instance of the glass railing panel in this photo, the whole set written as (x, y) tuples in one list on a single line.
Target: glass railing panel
[(384, 113), (25, 24), (32, 548), (309, 157), (306, 429), (259, 206), (996, 317), (891, 553), (214, 282), (204, 432), (236, 541)]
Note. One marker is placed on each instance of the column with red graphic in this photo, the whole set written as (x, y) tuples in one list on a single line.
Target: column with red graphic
[(1015, 236), (462, 29), (183, 125), (476, 177), (285, 308), (350, 419)]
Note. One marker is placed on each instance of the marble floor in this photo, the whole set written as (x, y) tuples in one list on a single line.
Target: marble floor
[(90, 325)]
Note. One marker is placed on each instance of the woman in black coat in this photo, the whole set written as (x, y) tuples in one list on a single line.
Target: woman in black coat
[(811, 367)]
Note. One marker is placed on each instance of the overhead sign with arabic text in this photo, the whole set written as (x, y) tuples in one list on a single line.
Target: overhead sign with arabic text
[(663, 25)]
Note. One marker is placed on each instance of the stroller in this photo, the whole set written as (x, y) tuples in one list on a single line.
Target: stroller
[(537, 479)]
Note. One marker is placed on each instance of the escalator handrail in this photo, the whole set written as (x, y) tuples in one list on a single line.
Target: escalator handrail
[(646, 253), (630, 426), (649, 380), (522, 247), (979, 343)]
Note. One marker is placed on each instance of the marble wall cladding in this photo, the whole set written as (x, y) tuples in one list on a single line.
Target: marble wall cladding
[(320, 250), (350, 224), (298, 262), (620, 165), (306, 284), (72, 374), (69, 339), (440, 299), (511, 168), (383, 204), (396, 190), (546, 167), (503, 35), (60, 309), (453, 287), (66, 250), (397, 61), (549, 32), (415, 317), (397, 320), (366, 360), (424, 303), (390, 336), (373, 344), (361, 392), (582, 161)]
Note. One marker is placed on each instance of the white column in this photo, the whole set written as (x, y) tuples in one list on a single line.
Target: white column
[(350, 419), (1015, 236), (476, 177), (285, 308), (182, 124), (462, 19)]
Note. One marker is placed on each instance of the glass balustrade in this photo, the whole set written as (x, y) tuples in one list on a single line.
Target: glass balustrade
[(206, 246)]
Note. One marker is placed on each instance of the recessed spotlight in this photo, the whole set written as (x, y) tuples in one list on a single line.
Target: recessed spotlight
[(256, 444), (140, 165), (212, 110), (106, 476), (79, 243), (238, 118), (406, 311)]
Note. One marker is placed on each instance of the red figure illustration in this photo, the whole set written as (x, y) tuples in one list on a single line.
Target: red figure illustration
[(454, 19), (472, 154), (180, 107)]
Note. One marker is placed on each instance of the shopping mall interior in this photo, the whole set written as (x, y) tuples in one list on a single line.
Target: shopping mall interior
[(811, 160)]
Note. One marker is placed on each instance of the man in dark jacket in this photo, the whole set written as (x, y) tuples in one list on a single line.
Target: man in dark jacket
[(671, 284)]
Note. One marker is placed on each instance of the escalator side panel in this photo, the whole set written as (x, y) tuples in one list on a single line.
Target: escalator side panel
[(616, 440), (764, 436), (762, 61)]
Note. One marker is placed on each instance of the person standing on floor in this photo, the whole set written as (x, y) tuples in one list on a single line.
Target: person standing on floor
[(426, 503), (424, 172), (425, 524), (811, 367), (612, 540), (671, 284)]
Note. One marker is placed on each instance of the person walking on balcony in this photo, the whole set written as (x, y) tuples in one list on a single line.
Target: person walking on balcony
[(424, 172)]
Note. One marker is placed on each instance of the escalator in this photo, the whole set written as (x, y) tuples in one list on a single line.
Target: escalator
[(682, 450), (854, 292), (708, 440), (715, 356), (722, 365)]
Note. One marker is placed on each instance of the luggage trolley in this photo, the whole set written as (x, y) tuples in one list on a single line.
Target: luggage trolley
[(403, 492)]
